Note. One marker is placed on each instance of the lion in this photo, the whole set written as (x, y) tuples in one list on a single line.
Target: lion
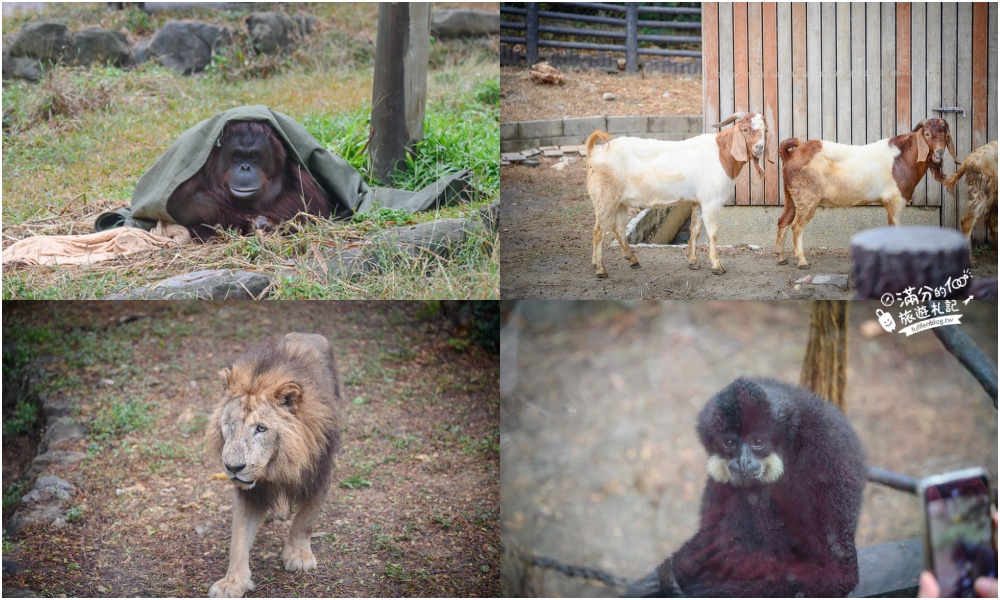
[(277, 432)]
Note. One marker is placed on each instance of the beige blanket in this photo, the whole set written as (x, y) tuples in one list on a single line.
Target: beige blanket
[(95, 247)]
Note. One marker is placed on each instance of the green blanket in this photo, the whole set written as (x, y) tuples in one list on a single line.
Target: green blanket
[(342, 182)]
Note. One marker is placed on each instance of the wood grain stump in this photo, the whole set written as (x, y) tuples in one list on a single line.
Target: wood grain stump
[(892, 259)]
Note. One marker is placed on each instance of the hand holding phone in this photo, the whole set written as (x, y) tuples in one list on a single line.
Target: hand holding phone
[(959, 534)]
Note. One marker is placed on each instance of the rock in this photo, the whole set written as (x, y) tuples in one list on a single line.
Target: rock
[(553, 153), (19, 67), (530, 163), (542, 72), (201, 529), (95, 45), (53, 407), (490, 216), (459, 22), (9, 568), (140, 53), (47, 488), (42, 41), (62, 430), (188, 46), (219, 284), (272, 32), (608, 96), (61, 457), (838, 280), (440, 237)]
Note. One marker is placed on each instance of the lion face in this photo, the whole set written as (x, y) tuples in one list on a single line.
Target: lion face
[(251, 431)]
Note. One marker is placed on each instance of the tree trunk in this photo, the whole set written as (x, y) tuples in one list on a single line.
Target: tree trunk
[(824, 370), (400, 86)]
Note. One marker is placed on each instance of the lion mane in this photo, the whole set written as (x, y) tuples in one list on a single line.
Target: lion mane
[(276, 433)]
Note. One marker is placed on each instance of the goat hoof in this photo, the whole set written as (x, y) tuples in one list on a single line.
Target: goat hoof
[(783, 261), (635, 265), (719, 271), (804, 267), (694, 266), (602, 275)]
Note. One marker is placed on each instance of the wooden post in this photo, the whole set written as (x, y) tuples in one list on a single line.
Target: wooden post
[(400, 87), (531, 34), (824, 369), (631, 37)]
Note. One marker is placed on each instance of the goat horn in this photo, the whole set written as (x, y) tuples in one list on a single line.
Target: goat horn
[(733, 117), (951, 149), (920, 124)]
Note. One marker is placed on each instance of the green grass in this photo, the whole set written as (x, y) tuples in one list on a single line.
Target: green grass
[(76, 143)]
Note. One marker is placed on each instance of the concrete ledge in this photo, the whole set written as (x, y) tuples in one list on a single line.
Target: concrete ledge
[(521, 135), (829, 227)]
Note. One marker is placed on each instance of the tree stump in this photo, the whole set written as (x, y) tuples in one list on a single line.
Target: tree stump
[(892, 259)]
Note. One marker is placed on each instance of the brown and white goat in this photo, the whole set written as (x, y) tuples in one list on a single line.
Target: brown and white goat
[(980, 171), (820, 173), (643, 173)]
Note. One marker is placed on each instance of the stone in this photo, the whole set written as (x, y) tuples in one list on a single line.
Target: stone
[(62, 430), (96, 45), (217, 284), (20, 67), (43, 41), (490, 216), (47, 488), (440, 237), (460, 22), (62, 457), (188, 46), (272, 32), (608, 96), (838, 280), (553, 153)]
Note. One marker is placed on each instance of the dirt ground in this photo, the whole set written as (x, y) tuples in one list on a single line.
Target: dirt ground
[(601, 464), (414, 508), (547, 221), (581, 95)]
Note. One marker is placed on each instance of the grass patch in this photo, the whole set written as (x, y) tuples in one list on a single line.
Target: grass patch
[(118, 416), (76, 143), (354, 482)]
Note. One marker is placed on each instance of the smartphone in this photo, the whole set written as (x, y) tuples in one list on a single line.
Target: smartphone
[(959, 543)]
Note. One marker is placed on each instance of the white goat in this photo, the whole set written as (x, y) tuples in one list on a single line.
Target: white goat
[(980, 171), (643, 173)]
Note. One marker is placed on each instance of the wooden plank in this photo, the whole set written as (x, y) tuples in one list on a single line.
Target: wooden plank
[(918, 81), (902, 67), (859, 117), (741, 83), (888, 43), (829, 42), (963, 125), (800, 100), (949, 97), (980, 70), (710, 64), (873, 72), (844, 72), (992, 85), (784, 126), (931, 195), (726, 106), (814, 72), (755, 55), (770, 38)]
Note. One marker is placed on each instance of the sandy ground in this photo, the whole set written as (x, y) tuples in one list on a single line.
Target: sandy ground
[(581, 95), (547, 223), (601, 464)]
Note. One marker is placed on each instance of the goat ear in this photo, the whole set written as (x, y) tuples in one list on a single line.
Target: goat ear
[(739, 146), (922, 148), (951, 148)]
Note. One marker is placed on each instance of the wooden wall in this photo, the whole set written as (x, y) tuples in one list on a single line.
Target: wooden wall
[(855, 73)]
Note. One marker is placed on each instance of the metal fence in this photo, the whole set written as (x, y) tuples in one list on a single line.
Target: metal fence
[(529, 28)]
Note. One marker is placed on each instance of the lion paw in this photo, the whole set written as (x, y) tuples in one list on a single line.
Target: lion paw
[(231, 586), (298, 559)]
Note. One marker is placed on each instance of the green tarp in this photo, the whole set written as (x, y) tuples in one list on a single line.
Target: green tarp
[(342, 182)]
